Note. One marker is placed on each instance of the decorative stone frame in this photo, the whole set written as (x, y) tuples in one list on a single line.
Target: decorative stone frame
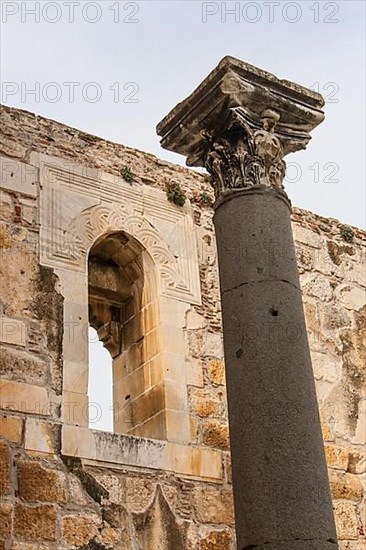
[(78, 205)]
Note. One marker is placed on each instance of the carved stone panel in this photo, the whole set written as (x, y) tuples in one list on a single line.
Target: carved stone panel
[(78, 205)]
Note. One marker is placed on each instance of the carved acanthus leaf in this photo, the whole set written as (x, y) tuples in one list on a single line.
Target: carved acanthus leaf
[(246, 153)]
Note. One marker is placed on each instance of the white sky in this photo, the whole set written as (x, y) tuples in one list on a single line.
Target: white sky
[(100, 389), (168, 50)]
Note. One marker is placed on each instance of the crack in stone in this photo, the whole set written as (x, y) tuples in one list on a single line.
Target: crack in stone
[(266, 281)]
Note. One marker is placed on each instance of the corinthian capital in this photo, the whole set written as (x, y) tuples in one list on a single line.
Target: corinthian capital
[(247, 152), (240, 123)]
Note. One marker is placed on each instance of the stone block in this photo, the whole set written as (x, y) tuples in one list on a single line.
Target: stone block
[(12, 331), (26, 398), (216, 540), (178, 426), (151, 345), (345, 486), (78, 441), (109, 538), (6, 207), (213, 505), (148, 405), (174, 367), (134, 384), (41, 436), (357, 462), (346, 520), (175, 396), (5, 469), (154, 428), (139, 492), (216, 434), (172, 339), (78, 530), (352, 297), (205, 403), (337, 457), (6, 511), (216, 371), (75, 409), (194, 372), (23, 366), (76, 377), (11, 428), (75, 341), (206, 463), (35, 522), (193, 422), (39, 484), (213, 345), (194, 320), (18, 176), (306, 236), (156, 369)]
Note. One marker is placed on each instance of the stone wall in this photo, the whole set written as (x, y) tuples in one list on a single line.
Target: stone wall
[(53, 501)]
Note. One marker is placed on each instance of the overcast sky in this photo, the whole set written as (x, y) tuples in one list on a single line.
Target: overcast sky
[(143, 57), (114, 69)]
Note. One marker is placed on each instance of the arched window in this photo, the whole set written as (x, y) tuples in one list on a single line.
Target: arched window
[(123, 310)]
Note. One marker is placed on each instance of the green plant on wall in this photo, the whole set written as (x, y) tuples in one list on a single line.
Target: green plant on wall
[(347, 233), (206, 199), (175, 194), (127, 174)]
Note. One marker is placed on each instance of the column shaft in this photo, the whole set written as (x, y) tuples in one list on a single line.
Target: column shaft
[(281, 490)]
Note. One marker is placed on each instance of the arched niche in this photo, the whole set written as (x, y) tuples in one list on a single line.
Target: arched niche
[(124, 310)]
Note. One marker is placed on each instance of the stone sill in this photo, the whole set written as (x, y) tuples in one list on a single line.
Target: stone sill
[(124, 450)]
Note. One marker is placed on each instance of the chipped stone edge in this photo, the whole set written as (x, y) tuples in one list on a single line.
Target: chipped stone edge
[(97, 447)]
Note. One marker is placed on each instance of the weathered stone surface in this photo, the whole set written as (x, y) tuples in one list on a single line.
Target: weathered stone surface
[(181, 129), (345, 486), (35, 522), (23, 367), (213, 505), (11, 428), (216, 434), (205, 403), (216, 371), (41, 436), (157, 527), (138, 492), (37, 483), (78, 530), (5, 472), (25, 398), (337, 457), (12, 331), (346, 520), (18, 545), (108, 538), (18, 176), (6, 511), (194, 372), (216, 540), (357, 462)]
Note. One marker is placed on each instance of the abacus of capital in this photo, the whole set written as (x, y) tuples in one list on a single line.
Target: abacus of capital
[(240, 123)]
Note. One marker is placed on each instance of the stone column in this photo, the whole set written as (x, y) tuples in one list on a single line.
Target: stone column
[(239, 124)]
